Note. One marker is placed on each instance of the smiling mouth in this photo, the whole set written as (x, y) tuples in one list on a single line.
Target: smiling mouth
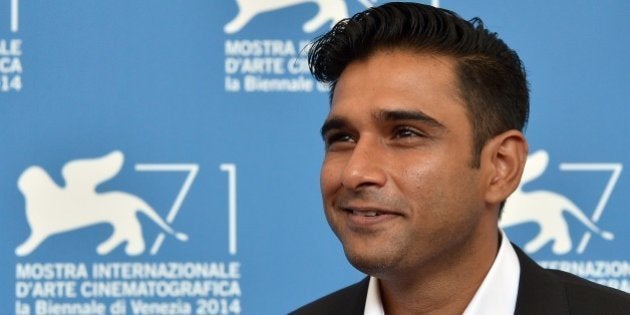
[(367, 220), (365, 213), (368, 213)]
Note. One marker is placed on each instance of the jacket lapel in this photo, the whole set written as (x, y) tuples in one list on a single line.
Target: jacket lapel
[(539, 291), (354, 299)]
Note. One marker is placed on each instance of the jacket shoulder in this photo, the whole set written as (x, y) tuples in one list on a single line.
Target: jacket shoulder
[(586, 297), (549, 291), (349, 300)]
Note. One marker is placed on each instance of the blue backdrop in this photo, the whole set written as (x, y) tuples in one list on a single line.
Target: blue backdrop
[(204, 112)]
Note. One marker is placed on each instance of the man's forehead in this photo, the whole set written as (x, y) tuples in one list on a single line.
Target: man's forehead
[(388, 55), (398, 68), (397, 79)]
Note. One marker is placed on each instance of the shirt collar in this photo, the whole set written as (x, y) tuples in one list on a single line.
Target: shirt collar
[(373, 303), (496, 295)]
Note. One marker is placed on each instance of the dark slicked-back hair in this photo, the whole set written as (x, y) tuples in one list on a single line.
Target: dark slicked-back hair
[(491, 78)]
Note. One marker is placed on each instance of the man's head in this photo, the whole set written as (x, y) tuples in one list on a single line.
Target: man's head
[(490, 77), (399, 188)]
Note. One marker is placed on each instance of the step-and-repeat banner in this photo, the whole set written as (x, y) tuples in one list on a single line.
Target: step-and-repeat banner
[(162, 157)]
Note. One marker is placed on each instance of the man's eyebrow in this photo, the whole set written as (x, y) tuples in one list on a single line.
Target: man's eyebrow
[(332, 123), (385, 115), (394, 115)]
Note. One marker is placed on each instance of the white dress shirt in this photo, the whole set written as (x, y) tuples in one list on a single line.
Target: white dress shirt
[(496, 295)]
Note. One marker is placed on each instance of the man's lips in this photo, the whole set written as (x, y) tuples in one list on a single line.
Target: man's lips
[(365, 213), (368, 211), (367, 216)]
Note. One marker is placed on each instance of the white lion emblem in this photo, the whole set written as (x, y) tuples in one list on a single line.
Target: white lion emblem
[(546, 209), (51, 209), (330, 11)]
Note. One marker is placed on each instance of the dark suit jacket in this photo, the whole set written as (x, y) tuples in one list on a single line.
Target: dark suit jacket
[(540, 292)]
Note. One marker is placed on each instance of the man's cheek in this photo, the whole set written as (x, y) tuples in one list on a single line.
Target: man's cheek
[(330, 176)]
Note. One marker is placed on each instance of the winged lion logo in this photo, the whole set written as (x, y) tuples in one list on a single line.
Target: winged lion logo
[(52, 209)]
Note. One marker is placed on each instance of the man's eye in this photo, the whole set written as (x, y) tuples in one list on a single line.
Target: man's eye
[(337, 139), (407, 132)]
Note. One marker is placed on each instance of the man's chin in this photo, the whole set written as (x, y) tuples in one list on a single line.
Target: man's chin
[(370, 263)]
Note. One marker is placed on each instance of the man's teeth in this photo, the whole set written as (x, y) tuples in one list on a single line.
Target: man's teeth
[(366, 213)]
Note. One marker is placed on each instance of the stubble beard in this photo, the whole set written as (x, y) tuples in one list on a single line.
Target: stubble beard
[(369, 266), (399, 256), (378, 262)]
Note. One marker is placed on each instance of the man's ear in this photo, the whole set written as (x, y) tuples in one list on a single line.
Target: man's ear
[(502, 160)]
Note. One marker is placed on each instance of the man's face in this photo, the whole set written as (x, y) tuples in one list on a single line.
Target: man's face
[(396, 181)]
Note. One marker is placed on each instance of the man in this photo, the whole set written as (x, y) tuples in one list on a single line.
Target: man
[(424, 144)]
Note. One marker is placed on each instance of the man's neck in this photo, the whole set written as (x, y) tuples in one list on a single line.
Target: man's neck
[(444, 285)]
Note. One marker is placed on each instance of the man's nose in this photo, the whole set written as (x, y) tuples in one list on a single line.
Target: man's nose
[(365, 166)]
